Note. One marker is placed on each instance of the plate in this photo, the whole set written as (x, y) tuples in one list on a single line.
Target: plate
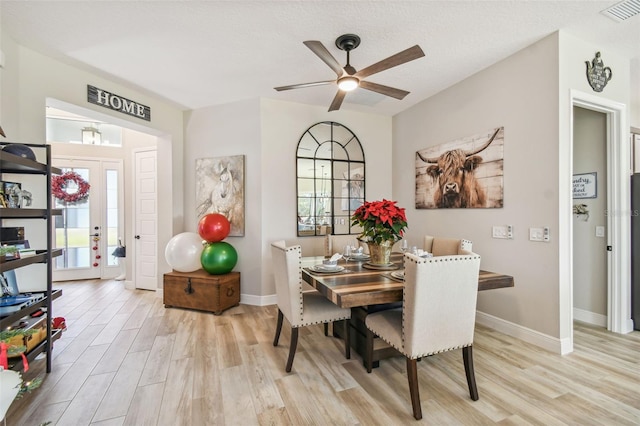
[(385, 267), (327, 270), (399, 275), (361, 256)]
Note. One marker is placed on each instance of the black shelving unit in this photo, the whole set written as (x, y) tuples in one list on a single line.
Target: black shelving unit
[(13, 164)]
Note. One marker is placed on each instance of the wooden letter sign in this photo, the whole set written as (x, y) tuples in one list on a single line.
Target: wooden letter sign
[(117, 103)]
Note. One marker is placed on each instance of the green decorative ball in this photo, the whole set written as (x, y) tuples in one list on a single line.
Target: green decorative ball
[(218, 258)]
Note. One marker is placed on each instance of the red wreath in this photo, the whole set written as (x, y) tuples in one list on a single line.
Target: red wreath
[(59, 186)]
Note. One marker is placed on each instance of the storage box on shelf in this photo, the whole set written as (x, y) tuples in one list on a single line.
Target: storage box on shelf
[(201, 290), (17, 165)]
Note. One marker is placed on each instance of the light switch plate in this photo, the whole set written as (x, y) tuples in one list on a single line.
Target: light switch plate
[(536, 234), (599, 231), (500, 232)]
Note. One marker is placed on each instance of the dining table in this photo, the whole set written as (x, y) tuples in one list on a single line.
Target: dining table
[(367, 288)]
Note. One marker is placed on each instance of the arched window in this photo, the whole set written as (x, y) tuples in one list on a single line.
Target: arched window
[(330, 179)]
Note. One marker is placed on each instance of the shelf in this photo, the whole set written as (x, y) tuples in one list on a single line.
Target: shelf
[(40, 257), (28, 213), (15, 164), (10, 163), (10, 319), (16, 363)]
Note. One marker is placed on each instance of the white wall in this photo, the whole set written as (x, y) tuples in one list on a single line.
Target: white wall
[(283, 123), (529, 94), (232, 129), (634, 116), (30, 80), (521, 95), (572, 82), (267, 133), (589, 251)]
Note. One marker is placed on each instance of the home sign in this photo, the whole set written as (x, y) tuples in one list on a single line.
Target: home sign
[(117, 103)]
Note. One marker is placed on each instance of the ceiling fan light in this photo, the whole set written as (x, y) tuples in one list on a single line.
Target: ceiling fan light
[(348, 84)]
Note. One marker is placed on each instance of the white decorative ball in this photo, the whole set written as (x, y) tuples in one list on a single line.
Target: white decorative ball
[(183, 252)]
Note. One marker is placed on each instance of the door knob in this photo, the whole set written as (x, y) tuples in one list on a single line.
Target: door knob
[(137, 237)]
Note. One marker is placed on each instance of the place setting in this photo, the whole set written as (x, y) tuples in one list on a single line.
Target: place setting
[(328, 266), (353, 254), (397, 275)]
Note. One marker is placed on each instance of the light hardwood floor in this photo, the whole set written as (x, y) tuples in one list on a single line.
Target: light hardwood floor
[(126, 360)]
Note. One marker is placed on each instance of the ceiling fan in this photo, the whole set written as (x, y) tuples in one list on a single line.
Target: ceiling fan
[(350, 79)]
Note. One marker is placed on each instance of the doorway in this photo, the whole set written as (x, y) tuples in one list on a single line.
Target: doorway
[(618, 224), (67, 125), (590, 259), (88, 231)]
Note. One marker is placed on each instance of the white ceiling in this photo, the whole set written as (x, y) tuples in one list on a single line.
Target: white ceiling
[(203, 53)]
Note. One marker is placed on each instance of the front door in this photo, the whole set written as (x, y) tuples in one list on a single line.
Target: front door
[(88, 231)]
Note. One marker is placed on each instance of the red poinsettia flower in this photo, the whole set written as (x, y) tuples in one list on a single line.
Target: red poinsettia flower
[(380, 221)]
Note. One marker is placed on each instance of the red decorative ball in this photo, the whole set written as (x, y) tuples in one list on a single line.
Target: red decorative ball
[(214, 227)]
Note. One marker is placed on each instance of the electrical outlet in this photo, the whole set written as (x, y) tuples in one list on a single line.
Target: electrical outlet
[(536, 234), (500, 232)]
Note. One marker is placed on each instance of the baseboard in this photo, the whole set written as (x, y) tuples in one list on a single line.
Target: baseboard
[(590, 317), (250, 299), (528, 335), (129, 285)]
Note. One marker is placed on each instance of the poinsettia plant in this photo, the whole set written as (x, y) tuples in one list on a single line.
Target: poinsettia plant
[(380, 221)]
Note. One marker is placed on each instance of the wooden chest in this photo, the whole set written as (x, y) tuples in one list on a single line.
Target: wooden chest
[(201, 290)]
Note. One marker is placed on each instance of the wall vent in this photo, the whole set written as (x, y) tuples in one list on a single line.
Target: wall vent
[(622, 11)]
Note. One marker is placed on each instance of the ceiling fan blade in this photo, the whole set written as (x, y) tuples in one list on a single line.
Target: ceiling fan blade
[(322, 52), (337, 101), (399, 58), (385, 90), (300, 86)]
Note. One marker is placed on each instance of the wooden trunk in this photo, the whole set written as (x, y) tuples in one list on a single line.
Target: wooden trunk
[(201, 290)]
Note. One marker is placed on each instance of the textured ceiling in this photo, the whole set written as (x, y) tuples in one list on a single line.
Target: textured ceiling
[(203, 53)]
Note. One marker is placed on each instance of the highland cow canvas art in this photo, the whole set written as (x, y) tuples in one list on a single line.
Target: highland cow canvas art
[(464, 173)]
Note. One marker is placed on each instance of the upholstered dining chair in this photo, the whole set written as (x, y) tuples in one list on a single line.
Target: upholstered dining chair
[(439, 246), (301, 308), (336, 243), (438, 315)]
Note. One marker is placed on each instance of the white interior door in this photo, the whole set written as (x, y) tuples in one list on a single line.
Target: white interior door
[(88, 231), (146, 219)]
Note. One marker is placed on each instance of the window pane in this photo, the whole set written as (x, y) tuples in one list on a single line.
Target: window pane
[(72, 229), (354, 151), (306, 168), (112, 232), (331, 186)]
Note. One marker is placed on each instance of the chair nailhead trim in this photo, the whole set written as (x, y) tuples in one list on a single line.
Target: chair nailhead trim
[(320, 322)]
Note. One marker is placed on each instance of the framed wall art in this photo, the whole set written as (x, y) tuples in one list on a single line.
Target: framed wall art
[(220, 189), (464, 173), (12, 194), (585, 185)]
